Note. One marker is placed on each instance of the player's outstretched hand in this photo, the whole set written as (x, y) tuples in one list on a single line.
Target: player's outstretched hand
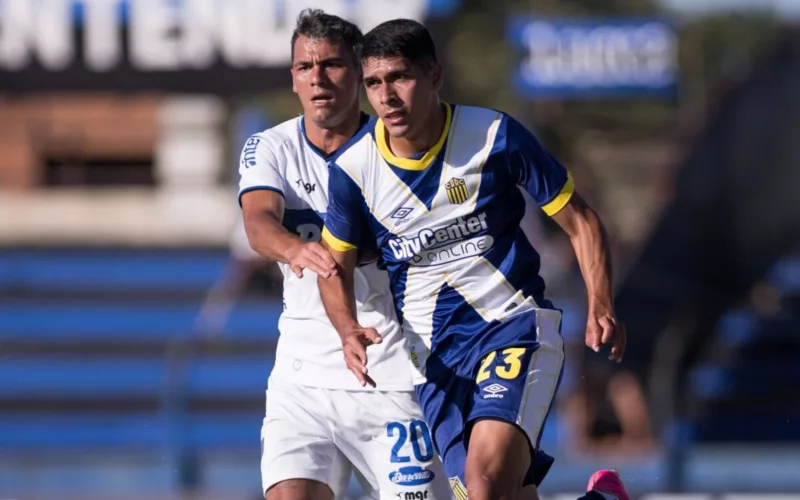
[(354, 345), (602, 329), (311, 255)]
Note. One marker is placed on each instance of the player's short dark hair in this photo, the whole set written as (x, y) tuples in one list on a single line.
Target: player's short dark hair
[(399, 38), (317, 25)]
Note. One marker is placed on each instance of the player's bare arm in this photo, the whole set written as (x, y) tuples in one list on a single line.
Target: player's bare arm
[(338, 297), (588, 238), (263, 213)]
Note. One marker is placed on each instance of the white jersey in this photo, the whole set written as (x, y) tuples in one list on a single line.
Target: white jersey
[(309, 350)]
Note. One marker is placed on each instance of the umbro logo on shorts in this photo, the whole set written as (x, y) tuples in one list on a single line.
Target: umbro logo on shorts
[(494, 391)]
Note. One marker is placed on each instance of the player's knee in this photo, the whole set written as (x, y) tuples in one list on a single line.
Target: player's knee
[(487, 488), (299, 489), (498, 458)]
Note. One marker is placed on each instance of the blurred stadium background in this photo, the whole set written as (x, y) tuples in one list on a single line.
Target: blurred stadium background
[(137, 331)]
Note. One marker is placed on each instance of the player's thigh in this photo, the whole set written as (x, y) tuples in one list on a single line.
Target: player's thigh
[(296, 443), (392, 448)]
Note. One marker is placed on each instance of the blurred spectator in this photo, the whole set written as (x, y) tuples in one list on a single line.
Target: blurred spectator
[(607, 414), (602, 408)]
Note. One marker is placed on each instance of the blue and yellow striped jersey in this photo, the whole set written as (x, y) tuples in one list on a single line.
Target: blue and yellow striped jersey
[(447, 226)]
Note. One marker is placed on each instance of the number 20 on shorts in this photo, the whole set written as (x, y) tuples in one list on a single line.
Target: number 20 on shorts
[(417, 431), (509, 370)]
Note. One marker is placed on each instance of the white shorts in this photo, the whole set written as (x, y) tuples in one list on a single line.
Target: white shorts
[(324, 434)]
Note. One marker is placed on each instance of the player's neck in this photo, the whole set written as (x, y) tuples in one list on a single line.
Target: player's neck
[(329, 140), (425, 140)]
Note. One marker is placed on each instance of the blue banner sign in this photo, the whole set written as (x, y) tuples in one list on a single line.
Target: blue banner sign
[(594, 58)]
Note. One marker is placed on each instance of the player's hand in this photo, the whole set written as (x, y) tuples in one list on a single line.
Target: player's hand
[(603, 329), (311, 255), (354, 345)]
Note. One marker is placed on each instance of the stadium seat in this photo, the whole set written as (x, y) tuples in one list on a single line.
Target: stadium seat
[(108, 378), (110, 270), (132, 322), (37, 378), (745, 386), (129, 433)]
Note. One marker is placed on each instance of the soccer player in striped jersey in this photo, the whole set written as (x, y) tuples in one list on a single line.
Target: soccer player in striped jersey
[(440, 190)]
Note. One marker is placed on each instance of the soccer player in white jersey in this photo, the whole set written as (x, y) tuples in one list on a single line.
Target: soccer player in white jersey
[(320, 423), (439, 190)]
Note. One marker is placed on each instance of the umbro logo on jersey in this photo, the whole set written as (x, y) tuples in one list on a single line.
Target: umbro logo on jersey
[(401, 215), (494, 391)]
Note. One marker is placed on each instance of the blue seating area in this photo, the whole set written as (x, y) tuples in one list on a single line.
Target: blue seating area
[(745, 389), (100, 359)]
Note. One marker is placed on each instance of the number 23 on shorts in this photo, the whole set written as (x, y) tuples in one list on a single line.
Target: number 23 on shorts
[(510, 367)]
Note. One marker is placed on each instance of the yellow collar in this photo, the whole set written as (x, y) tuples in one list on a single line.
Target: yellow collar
[(408, 163)]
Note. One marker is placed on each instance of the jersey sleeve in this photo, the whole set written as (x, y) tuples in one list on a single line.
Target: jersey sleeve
[(345, 220), (259, 167), (535, 170)]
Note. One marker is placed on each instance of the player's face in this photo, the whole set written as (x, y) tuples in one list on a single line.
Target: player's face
[(326, 79), (402, 94)]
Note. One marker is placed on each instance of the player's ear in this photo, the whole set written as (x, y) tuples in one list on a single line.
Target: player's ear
[(294, 87), (437, 76)]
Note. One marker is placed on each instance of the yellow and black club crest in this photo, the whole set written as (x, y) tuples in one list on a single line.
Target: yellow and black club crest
[(457, 191)]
